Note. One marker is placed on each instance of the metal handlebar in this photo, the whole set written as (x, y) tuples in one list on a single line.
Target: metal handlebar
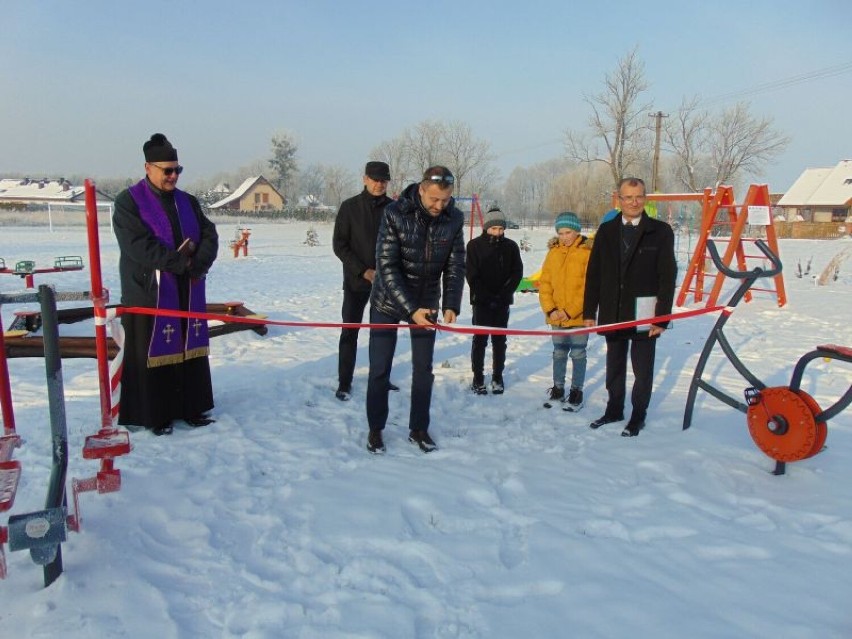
[(756, 272)]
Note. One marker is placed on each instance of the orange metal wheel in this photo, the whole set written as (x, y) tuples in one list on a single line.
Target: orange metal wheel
[(782, 424), (822, 427)]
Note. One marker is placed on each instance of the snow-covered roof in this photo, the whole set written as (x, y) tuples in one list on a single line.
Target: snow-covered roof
[(821, 187), (241, 190), (39, 190)]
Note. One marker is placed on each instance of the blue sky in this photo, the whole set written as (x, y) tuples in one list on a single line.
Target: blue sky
[(84, 84)]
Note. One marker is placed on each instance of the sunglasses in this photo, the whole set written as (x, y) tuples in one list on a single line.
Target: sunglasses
[(168, 170), (442, 179)]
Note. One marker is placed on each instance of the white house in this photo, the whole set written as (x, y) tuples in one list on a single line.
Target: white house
[(820, 195)]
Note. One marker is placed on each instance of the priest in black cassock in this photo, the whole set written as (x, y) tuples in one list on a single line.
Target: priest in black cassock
[(167, 246)]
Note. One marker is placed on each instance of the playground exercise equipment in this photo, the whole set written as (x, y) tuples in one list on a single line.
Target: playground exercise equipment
[(27, 268), (43, 532), (240, 241), (785, 422)]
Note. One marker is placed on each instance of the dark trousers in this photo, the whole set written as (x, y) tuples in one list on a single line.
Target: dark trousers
[(642, 352), (352, 312), (382, 348), (498, 317)]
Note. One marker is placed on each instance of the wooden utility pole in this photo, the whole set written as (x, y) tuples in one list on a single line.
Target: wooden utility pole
[(655, 169)]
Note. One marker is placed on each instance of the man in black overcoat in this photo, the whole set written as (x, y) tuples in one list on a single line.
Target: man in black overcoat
[(354, 243), (631, 275)]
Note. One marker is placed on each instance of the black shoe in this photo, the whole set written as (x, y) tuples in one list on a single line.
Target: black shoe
[(343, 393), (575, 401), (422, 439), (478, 388), (392, 386), (199, 420), (632, 429), (163, 429), (557, 394), (375, 443), (605, 419), (497, 386)]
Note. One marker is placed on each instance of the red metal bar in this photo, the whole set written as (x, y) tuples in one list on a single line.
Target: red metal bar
[(5, 389), (100, 298)]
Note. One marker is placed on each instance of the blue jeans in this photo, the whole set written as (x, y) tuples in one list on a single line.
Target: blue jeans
[(565, 343), (382, 348)]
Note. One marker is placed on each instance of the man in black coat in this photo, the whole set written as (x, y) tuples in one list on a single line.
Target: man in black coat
[(493, 270), (354, 243), (419, 253), (167, 246), (631, 275)]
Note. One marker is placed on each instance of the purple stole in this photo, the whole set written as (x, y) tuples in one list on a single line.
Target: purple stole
[(165, 345)]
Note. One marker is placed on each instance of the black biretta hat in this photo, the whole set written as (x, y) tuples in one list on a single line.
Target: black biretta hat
[(159, 149)]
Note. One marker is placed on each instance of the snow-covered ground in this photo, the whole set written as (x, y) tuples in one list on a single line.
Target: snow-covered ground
[(276, 522)]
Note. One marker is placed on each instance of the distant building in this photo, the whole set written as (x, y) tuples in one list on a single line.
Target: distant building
[(254, 194), (42, 193), (313, 203), (39, 191), (820, 195)]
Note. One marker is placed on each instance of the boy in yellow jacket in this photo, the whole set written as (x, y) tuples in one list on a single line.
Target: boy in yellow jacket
[(561, 288)]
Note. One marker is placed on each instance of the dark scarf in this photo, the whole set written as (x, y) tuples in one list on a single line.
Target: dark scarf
[(165, 348)]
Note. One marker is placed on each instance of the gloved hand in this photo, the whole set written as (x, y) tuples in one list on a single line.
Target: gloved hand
[(197, 272)]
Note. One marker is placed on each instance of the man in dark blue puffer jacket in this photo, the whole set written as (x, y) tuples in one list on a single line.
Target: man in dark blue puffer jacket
[(419, 252)]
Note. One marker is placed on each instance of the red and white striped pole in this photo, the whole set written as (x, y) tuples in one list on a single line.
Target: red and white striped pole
[(100, 297)]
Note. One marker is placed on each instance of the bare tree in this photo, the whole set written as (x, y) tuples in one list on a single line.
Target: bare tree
[(423, 145), (719, 149), (742, 143), (481, 180), (585, 190), (393, 152), (312, 181), (519, 197), (527, 190), (466, 154), (685, 133), (283, 160), (339, 184), (431, 142), (618, 122)]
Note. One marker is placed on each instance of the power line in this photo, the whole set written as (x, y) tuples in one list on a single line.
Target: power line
[(774, 85)]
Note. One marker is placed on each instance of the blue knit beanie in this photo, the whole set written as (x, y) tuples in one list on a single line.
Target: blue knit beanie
[(567, 220)]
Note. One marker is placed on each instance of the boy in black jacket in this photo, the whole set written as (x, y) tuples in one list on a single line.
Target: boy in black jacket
[(493, 271)]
